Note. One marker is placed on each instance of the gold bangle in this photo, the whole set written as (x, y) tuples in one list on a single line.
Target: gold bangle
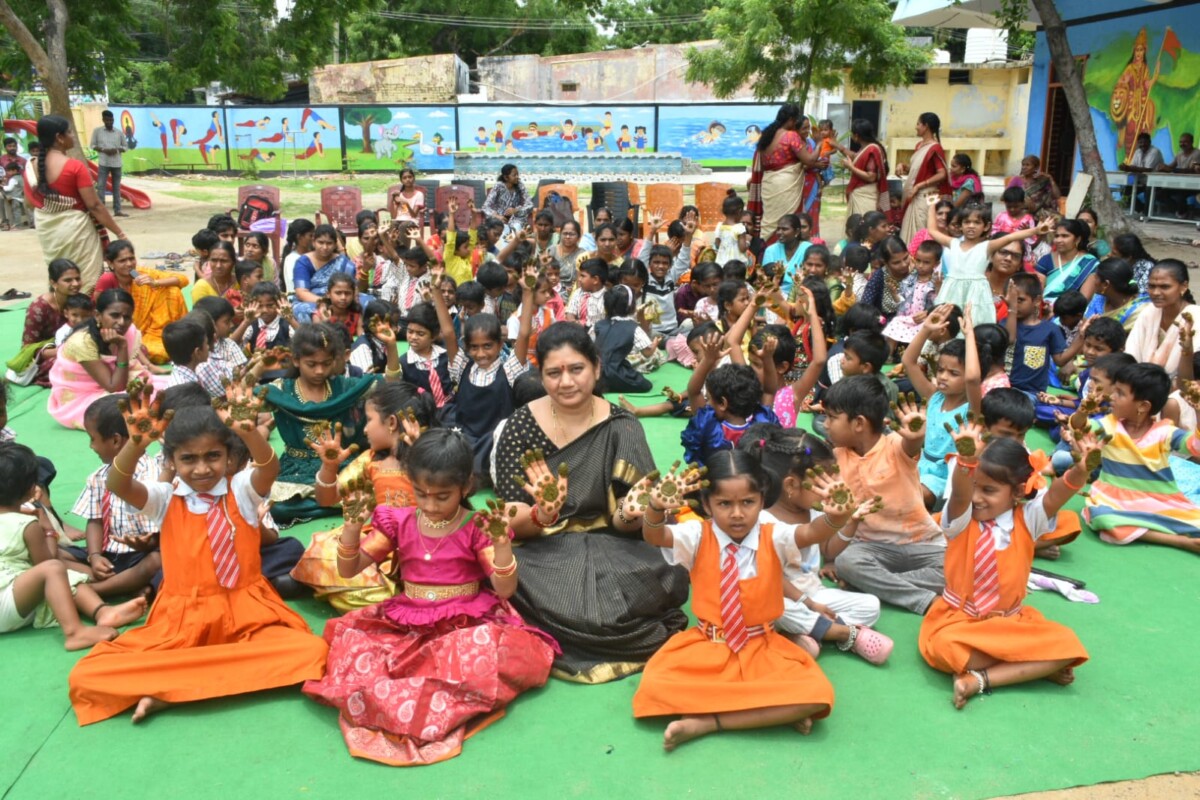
[(119, 470), (274, 455), (505, 572), (393, 373), (647, 521), (830, 523)]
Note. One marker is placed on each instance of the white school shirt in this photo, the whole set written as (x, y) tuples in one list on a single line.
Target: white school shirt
[(640, 339), (686, 536), (802, 571), (159, 494), (62, 333), (272, 329), (595, 305), (1035, 519), (126, 521)]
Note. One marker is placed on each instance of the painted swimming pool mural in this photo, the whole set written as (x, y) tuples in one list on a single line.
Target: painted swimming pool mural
[(717, 135), (386, 138), (556, 129)]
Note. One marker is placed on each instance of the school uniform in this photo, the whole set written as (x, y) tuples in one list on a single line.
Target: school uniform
[(117, 518), (425, 372), (484, 397), (264, 336)]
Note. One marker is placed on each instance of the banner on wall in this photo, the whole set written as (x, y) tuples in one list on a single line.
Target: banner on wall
[(556, 129), (717, 135), (285, 138), (386, 138), (171, 137)]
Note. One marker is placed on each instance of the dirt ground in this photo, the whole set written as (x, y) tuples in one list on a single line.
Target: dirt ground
[(168, 227)]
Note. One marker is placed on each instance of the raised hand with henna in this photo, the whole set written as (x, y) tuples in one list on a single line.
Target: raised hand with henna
[(144, 417), (969, 437), (329, 447), (497, 520), (672, 489), (242, 404), (358, 500), (547, 488), (910, 413), (637, 500)]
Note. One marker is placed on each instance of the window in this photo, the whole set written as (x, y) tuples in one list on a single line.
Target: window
[(920, 76), (568, 86), (960, 77)]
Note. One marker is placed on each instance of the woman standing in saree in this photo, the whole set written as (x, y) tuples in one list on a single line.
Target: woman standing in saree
[(71, 220), (868, 169), (785, 177), (587, 578), (925, 176)]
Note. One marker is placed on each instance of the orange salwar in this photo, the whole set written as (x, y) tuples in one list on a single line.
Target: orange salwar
[(693, 675), (949, 635), (201, 640)]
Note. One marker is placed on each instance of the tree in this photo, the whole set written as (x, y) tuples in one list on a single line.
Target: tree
[(366, 117), (636, 22), (787, 49), (1011, 16)]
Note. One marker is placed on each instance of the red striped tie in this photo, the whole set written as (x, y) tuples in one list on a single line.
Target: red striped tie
[(410, 293), (732, 620), (583, 310), (435, 384), (260, 341), (220, 541), (987, 575), (106, 511)]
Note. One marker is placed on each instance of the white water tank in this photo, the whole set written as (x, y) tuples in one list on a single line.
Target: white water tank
[(986, 45)]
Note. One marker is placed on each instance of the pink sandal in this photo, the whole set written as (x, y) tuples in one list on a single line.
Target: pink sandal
[(806, 643), (872, 645)]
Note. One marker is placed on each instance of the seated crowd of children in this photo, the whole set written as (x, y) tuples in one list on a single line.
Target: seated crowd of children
[(864, 407)]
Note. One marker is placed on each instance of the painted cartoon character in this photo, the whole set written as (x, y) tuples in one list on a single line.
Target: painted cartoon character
[(568, 131), (498, 135), (178, 131), (1131, 108), (309, 114), (277, 137), (385, 145), (640, 139), (606, 127), (207, 150), (593, 140), (257, 155), (214, 131), (753, 134), (162, 134), (252, 123), (315, 148), (624, 141), (440, 148), (712, 134), (533, 131), (482, 140)]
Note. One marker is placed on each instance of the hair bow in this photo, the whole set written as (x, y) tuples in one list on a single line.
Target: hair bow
[(1038, 461)]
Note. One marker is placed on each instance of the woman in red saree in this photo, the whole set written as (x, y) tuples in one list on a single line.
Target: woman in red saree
[(925, 176), (868, 169), (785, 177)]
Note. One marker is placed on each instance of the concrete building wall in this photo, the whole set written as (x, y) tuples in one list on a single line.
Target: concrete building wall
[(424, 79)]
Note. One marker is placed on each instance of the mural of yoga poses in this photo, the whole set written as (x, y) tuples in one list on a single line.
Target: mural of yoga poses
[(284, 138)]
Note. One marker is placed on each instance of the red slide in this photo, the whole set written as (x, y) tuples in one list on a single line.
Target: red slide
[(139, 198)]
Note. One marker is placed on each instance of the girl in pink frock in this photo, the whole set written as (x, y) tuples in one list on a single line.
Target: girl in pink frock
[(415, 675)]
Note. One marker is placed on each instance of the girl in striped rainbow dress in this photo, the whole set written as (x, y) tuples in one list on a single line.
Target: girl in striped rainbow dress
[(1135, 498)]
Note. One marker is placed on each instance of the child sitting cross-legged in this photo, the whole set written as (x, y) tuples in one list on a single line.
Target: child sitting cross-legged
[(979, 630)]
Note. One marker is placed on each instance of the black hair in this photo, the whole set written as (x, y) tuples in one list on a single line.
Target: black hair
[(394, 397), (991, 342), (821, 252), (215, 307), (310, 339), (325, 232), (727, 292), (1146, 382), (244, 269), (265, 289), (1006, 461), (1112, 363), (204, 239), (732, 205), (567, 334), (470, 292), (870, 220), (105, 299), (416, 254), (1010, 404), (618, 301), (856, 257), (487, 324), (1013, 194), (858, 396), (447, 279), (59, 267), (348, 279), (624, 226), (1029, 285), (822, 301), (423, 314), (341, 334), (853, 222), (205, 321), (703, 329), (675, 230), (933, 122), (1130, 247), (1178, 272), (705, 271), (116, 247), (861, 317), (785, 343), (596, 267), (182, 338), (783, 452), (365, 216), (736, 385), (443, 457), (184, 395), (1079, 230), (104, 415), (932, 248), (734, 270), (788, 112), (1069, 304), (527, 387), (261, 238), (1118, 273), (492, 276), (870, 347), (191, 422), (725, 465), (386, 311), (18, 472), (955, 348), (219, 223), (1109, 331), (79, 302), (48, 129), (661, 251), (635, 267), (9, 140)]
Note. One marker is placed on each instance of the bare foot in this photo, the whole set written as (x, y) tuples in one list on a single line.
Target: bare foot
[(120, 615), (1050, 553), (965, 687), (686, 729), (87, 636), (625, 404), (1064, 677), (804, 726), (147, 706)]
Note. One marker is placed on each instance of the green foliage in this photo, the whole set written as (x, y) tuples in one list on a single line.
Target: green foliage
[(788, 49), (96, 38), (637, 22), (365, 117)]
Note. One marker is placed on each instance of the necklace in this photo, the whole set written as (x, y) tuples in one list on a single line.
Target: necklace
[(437, 526), (303, 399), (558, 429)]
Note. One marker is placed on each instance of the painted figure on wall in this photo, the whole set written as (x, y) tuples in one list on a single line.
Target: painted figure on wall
[(1131, 107)]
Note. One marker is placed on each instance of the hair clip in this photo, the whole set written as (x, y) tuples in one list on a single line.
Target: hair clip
[(762, 442), (808, 451), (420, 390)]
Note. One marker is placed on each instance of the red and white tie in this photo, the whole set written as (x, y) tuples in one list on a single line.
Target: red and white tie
[(260, 341), (732, 621), (106, 521), (583, 311), (435, 384), (220, 541), (409, 294), (987, 575)]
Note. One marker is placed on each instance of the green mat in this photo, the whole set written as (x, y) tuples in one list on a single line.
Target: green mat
[(893, 732)]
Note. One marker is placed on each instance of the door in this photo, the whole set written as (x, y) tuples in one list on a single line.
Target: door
[(868, 110), (1058, 136)]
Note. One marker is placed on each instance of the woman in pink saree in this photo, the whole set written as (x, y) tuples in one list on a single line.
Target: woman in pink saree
[(785, 177), (95, 360), (925, 176)]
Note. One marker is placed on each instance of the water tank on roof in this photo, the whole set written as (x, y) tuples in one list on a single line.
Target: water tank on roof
[(986, 45)]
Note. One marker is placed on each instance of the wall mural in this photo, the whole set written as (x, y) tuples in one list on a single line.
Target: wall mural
[(1143, 80), (556, 129), (386, 138), (173, 137), (284, 138), (714, 135)]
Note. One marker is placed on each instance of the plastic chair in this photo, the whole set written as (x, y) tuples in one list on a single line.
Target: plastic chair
[(665, 197), (462, 194), (615, 197), (709, 197), (339, 206), (564, 190), (479, 187), (271, 193)]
